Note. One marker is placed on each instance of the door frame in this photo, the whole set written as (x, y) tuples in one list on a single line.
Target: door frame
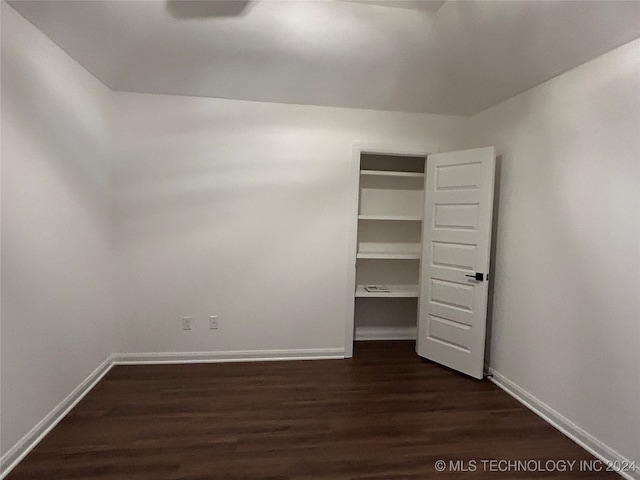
[(378, 148)]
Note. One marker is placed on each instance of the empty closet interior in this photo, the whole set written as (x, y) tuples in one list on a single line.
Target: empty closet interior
[(390, 212)]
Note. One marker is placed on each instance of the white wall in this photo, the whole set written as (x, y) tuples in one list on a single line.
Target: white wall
[(57, 318), (240, 209), (566, 311)]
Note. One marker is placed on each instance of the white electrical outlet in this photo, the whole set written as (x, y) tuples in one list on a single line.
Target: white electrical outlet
[(213, 322), (186, 323)]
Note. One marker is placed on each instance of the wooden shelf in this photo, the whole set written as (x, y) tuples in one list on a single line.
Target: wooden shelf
[(384, 173), (396, 291), (401, 218), (389, 255), (389, 250)]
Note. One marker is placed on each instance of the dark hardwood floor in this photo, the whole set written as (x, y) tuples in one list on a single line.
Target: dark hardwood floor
[(385, 414)]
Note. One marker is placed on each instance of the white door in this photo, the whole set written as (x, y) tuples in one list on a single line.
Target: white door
[(456, 242)]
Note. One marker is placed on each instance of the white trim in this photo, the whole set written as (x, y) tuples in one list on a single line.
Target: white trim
[(386, 333), (229, 356), (20, 450), (382, 148), (563, 424)]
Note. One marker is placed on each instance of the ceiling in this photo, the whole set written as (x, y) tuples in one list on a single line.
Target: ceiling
[(448, 57)]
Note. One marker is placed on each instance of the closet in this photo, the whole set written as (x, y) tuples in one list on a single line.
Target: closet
[(421, 248), (390, 211)]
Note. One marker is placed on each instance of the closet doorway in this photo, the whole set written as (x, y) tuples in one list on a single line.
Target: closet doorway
[(419, 256)]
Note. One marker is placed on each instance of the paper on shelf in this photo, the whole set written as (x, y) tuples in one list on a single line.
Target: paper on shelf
[(376, 288)]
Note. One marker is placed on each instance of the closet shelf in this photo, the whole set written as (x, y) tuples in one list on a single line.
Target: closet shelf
[(384, 173), (395, 291), (403, 218), (389, 255)]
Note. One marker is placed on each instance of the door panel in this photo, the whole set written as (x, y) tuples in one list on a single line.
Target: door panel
[(460, 216), (453, 255), (456, 244)]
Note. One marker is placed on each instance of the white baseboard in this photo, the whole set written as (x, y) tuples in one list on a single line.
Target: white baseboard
[(385, 333), (584, 439), (20, 450), (229, 356)]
